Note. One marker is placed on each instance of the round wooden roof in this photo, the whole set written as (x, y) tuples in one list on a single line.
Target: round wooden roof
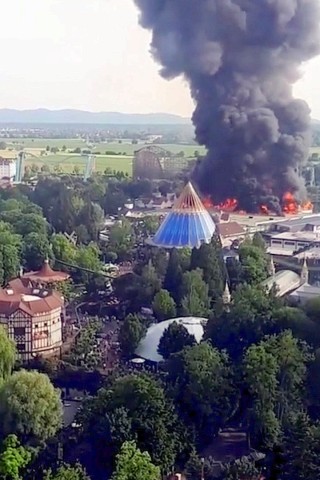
[(46, 274)]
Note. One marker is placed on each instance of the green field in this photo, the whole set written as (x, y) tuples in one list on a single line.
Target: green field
[(125, 147), (67, 163), (119, 158)]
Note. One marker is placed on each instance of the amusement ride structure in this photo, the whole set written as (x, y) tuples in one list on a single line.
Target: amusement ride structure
[(188, 225)]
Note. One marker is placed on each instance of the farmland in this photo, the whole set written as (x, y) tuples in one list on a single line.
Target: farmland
[(116, 155)]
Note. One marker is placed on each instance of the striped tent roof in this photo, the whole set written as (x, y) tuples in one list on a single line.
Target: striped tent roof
[(189, 224)]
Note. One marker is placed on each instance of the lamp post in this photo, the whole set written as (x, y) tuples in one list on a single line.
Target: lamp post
[(202, 468)]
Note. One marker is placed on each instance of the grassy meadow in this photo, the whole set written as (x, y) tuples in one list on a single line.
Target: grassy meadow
[(119, 156)]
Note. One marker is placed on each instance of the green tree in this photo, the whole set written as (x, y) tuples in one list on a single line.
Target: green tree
[(36, 248), (132, 330), (173, 277), (55, 198), (203, 382), (150, 284), (30, 406), (275, 372), (296, 320), (254, 262), (302, 449), (150, 413), (87, 257), (261, 370), (194, 294), (258, 241), (150, 224), (209, 259), (292, 358), (132, 464), (174, 339), (312, 309), (163, 305), (62, 248), (250, 318), (26, 223), (193, 467), (121, 239), (92, 217), (7, 355), (67, 472), (10, 246), (10, 261), (244, 469), (13, 458)]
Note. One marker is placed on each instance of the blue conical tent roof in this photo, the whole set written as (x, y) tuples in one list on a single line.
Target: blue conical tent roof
[(189, 224)]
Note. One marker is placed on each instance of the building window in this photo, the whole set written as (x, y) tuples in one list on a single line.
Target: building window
[(36, 326), (21, 347), (46, 324), (19, 331)]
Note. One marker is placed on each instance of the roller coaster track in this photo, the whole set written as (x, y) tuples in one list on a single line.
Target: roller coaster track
[(83, 269)]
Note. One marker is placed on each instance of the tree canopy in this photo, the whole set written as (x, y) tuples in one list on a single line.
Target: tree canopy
[(7, 354), (174, 339), (67, 472), (132, 330), (30, 406), (132, 464), (163, 305), (13, 458)]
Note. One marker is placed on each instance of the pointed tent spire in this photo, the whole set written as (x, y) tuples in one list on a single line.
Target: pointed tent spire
[(189, 224), (304, 272), (226, 296)]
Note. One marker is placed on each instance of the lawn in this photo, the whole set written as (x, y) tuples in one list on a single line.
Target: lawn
[(119, 158), (69, 162), (125, 147)]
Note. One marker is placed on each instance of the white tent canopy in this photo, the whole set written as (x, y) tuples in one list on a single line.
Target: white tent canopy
[(148, 347)]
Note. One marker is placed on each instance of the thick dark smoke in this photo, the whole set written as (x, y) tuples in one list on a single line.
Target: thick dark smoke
[(241, 58)]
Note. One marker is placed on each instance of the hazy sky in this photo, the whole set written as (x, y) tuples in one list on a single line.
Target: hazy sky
[(92, 55)]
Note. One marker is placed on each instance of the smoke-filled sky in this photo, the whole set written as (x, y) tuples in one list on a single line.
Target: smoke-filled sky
[(241, 58), (92, 54)]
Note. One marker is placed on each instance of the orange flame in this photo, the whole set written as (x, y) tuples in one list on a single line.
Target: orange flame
[(207, 203), (307, 206), (230, 204), (264, 209), (291, 206)]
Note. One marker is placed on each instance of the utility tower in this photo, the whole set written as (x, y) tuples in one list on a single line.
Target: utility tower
[(90, 161), (20, 166)]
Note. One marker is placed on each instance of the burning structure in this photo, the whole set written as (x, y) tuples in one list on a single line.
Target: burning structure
[(241, 58)]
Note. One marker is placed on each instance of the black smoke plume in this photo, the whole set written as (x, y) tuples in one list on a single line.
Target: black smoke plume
[(241, 58)]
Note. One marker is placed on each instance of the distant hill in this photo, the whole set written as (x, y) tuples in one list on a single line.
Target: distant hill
[(43, 115)]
